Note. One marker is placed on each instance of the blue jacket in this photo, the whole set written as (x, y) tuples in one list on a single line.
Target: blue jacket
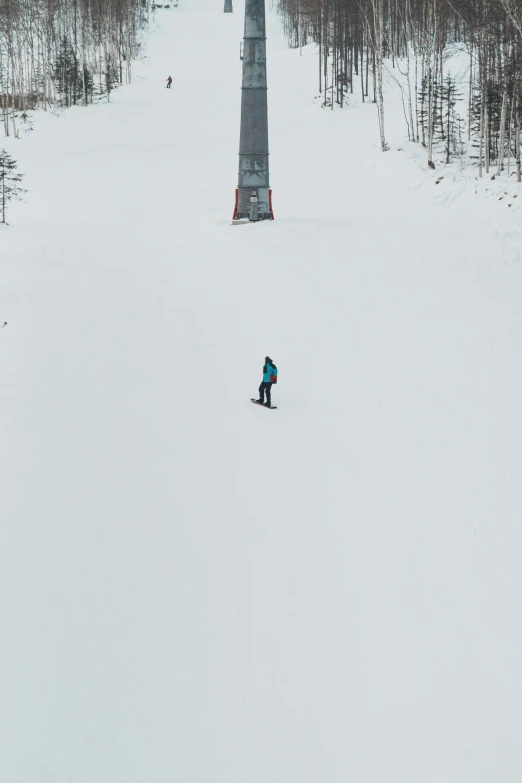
[(268, 370)]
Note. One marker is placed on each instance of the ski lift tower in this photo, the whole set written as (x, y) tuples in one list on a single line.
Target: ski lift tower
[(253, 194), (228, 7)]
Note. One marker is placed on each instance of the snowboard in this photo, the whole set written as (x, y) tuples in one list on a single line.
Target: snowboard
[(273, 408)]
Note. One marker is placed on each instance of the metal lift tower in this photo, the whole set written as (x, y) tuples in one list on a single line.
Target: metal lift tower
[(253, 195)]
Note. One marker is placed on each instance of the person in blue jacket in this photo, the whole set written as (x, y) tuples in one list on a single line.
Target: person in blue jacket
[(269, 377)]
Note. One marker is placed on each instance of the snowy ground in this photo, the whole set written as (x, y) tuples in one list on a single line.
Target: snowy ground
[(195, 589)]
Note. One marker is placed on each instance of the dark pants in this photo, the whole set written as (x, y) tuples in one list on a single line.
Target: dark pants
[(265, 387)]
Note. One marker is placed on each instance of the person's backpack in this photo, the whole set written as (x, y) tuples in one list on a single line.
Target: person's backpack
[(273, 375)]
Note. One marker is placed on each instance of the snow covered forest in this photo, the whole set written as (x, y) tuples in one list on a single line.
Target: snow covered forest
[(64, 52), (413, 39), (68, 53)]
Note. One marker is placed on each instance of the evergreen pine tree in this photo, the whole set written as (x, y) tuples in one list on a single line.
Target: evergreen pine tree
[(69, 77), (422, 112), (108, 79), (451, 122), (476, 113), (9, 182), (494, 118)]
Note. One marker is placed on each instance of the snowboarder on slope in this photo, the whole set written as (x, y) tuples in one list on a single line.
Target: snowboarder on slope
[(269, 377), (169, 82)]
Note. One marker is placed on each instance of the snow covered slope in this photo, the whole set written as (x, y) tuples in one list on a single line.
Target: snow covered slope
[(195, 589)]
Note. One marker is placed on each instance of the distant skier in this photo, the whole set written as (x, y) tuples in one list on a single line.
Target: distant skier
[(169, 82), (269, 377)]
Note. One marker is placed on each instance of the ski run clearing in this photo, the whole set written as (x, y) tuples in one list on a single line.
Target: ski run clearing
[(197, 592)]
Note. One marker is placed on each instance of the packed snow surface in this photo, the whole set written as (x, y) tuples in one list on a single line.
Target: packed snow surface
[(195, 589)]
